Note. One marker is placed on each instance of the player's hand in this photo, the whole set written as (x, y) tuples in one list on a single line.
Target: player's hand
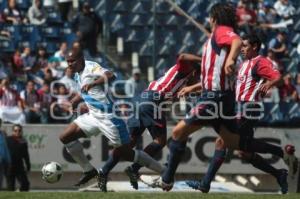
[(184, 91), (264, 88), (229, 66), (87, 87)]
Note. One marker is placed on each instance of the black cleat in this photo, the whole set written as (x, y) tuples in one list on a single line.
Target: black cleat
[(102, 181), (133, 177), (87, 176)]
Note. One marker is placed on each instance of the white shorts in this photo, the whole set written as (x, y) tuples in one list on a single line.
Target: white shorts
[(115, 130)]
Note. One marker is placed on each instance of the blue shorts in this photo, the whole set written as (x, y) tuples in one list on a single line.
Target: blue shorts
[(214, 108), (147, 116)]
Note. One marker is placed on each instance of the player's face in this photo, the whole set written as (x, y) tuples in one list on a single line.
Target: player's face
[(73, 63), (247, 50)]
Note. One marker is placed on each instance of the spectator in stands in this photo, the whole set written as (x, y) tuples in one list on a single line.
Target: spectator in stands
[(298, 85), (36, 74), (46, 100), (5, 160), (135, 85), (278, 45), (4, 70), (31, 103), (62, 107), (266, 14), (272, 58), (18, 149), (4, 35), (12, 15), (61, 53), (27, 59), (288, 91), (49, 76), (68, 80), (42, 58), (87, 26), (36, 13), (11, 106), (284, 8), (65, 6), (246, 16)]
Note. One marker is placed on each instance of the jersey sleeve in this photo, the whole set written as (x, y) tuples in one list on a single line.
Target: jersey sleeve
[(266, 70), (224, 36), (97, 70)]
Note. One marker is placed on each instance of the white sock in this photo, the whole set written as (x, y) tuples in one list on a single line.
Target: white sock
[(144, 159), (75, 149)]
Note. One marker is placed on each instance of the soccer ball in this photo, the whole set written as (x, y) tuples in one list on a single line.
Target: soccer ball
[(52, 172)]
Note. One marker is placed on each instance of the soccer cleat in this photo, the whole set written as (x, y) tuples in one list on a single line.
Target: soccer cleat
[(87, 176), (156, 182), (102, 181), (290, 159), (198, 185), (282, 180), (133, 177)]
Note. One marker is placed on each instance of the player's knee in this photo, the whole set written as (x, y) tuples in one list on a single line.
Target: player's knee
[(178, 134), (219, 143), (244, 155)]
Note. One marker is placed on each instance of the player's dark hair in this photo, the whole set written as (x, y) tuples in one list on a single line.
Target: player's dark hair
[(17, 125), (224, 14), (253, 39)]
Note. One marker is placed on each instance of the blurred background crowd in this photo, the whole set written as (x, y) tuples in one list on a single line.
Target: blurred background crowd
[(131, 37)]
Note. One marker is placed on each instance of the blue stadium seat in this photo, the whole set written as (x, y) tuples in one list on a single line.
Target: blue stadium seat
[(117, 23), (189, 39), (14, 30), (121, 6), (138, 8), (296, 39), (194, 11), (50, 46), (50, 32), (67, 33), (272, 114), (161, 63), (162, 7), (163, 50), (3, 5), (136, 20), (146, 48), (31, 32), (291, 112), (54, 17), (133, 36), (7, 46), (172, 20), (23, 4)]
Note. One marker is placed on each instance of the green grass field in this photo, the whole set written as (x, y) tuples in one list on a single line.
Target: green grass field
[(126, 195)]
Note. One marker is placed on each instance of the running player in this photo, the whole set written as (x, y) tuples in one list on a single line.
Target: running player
[(256, 76), (159, 91), (93, 80)]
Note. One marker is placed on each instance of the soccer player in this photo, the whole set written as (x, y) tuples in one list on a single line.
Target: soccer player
[(93, 81), (255, 77), (149, 103)]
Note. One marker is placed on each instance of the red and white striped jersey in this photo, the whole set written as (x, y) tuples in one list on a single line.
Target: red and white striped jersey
[(176, 77), (215, 53), (251, 74)]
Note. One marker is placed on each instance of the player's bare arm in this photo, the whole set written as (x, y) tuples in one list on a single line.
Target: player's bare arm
[(188, 89), (232, 56), (108, 76), (189, 57)]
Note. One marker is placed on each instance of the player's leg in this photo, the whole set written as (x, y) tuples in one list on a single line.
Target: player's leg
[(159, 135), (23, 181), (177, 146), (216, 162), (79, 129), (260, 163)]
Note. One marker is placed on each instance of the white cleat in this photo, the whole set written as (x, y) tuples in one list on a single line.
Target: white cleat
[(156, 182)]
